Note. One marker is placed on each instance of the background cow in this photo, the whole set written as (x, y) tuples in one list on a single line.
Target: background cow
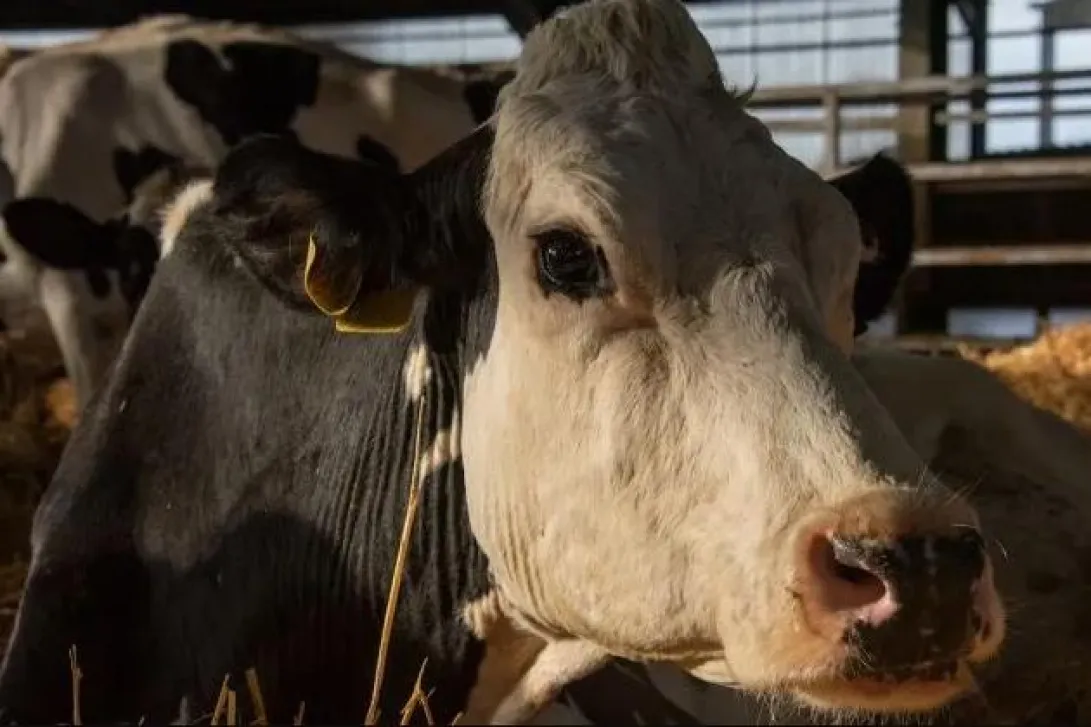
[(83, 124), (622, 318)]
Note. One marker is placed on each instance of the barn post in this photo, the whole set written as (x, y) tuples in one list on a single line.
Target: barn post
[(975, 16), (922, 37)]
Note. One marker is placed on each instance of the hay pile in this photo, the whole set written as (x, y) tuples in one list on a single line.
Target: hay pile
[(36, 413), (1053, 372)]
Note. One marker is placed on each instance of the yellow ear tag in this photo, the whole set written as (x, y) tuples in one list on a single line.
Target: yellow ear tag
[(322, 298), (386, 312)]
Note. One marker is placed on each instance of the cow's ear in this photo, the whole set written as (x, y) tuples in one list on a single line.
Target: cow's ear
[(60, 235), (882, 195), (352, 239)]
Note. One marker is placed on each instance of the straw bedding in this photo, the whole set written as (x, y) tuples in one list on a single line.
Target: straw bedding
[(1053, 372)]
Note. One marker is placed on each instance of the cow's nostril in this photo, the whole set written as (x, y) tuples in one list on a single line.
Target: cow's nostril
[(842, 583), (852, 574)]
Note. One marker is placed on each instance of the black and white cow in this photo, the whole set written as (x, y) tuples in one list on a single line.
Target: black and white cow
[(611, 333), (83, 124)]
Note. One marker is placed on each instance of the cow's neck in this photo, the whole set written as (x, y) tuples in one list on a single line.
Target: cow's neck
[(449, 336), (445, 572)]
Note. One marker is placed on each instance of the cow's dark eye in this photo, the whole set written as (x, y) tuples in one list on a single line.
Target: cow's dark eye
[(569, 264)]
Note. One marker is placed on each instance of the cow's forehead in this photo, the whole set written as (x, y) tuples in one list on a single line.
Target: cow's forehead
[(648, 45), (632, 126)]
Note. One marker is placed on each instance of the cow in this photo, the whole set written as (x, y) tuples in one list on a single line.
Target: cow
[(82, 124), (599, 348)]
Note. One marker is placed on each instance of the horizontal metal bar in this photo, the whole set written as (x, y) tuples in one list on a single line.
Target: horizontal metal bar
[(860, 123), (880, 91), (944, 117), (1039, 93), (768, 49), (801, 18), (1032, 32), (891, 122), (1028, 254)]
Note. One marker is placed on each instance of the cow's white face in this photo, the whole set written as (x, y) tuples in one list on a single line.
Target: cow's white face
[(667, 451)]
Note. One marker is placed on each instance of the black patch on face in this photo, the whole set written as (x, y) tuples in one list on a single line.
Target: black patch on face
[(370, 150), (257, 88), (133, 167)]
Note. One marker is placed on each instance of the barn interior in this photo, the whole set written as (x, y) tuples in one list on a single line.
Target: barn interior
[(988, 103)]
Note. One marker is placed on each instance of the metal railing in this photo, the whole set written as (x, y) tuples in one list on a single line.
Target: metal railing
[(833, 100), (831, 122)]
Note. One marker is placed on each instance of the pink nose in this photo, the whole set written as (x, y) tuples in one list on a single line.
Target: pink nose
[(903, 601)]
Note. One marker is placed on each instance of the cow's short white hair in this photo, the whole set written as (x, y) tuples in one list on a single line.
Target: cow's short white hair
[(647, 46), (618, 52)]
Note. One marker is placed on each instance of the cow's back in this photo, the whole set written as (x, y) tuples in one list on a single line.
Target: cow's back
[(176, 84)]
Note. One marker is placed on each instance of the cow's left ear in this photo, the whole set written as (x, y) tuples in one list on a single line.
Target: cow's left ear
[(882, 195), (350, 239)]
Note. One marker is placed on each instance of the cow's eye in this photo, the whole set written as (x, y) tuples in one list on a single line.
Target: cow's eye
[(569, 264)]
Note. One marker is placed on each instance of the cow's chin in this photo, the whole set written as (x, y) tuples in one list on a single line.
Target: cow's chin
[(906, 694), (878, 695)]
